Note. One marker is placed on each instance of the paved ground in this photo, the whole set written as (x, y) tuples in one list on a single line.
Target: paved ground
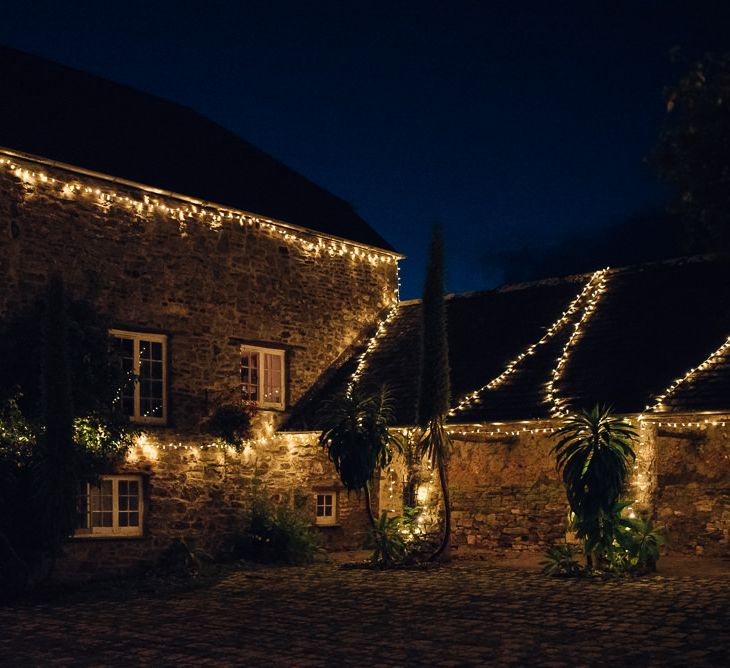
[(462, 614)]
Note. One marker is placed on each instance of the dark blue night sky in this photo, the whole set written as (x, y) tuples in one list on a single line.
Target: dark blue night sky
[(516, 125)]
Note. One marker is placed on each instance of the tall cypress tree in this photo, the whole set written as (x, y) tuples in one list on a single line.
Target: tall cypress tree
[(435, 388)]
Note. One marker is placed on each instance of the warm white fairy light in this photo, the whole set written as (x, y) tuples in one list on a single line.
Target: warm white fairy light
[(474, 397), (497, 429), (369, 348), (688, 377), (556, 408), (213, 216)]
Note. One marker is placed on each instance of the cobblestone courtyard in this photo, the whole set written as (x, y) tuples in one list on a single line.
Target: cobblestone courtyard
[(462, 614)]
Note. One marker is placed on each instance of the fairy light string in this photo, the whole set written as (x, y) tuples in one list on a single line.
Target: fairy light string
[(566, 316), (371, 346), (689, 376), (558, 407), (212, 215)]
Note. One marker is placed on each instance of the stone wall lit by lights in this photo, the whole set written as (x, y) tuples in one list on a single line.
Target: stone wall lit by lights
[(210, 284), (201, 494), (507, 496)]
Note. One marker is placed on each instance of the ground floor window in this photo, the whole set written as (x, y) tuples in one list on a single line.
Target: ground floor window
[(113, 506), (326, 508)]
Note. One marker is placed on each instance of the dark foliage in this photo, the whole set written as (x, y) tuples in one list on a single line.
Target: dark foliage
[(232, 423), (181, 558), (56, 469), (693, 152), (387, 540), (644, 237), (57, 427), (357, 438), (593, 454), (274, 534), (94, 371)]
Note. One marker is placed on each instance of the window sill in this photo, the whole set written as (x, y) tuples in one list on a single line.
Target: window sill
[(107, 537), (141, 422), (328, 526)]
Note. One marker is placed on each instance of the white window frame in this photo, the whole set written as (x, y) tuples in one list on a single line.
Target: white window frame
[(325, 520), (281, 354), (115, 529), (136, 337)]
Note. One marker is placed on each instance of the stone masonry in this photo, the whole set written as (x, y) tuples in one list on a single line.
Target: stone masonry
[(507, 496), (209, 284)]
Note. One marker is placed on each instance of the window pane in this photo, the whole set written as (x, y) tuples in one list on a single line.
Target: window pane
[(272, 378), (125, 349), (249, 376), (150, 379), (82, 507), (129, 503), (101, 501)]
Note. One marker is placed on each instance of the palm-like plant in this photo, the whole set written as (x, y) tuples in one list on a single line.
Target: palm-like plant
[(645, 542), (358, 439), (389, 543), (593, 454)]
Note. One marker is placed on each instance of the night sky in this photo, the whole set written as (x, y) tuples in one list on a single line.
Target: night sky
[(516, 125)]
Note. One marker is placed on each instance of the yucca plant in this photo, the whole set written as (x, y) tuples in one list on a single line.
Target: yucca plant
[(358, 439), (560, 561), (644, 542), (593, 455), (388, 540)]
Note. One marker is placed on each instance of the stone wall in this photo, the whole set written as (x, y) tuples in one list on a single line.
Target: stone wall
[(505, 492), (200, 494), (691, 497), (210, 283), (507, 496)]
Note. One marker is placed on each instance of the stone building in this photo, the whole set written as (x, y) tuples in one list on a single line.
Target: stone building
[(229, 276), (652, 341), (226, 275)]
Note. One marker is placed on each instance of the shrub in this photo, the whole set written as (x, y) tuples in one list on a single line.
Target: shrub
[(275, 534), (387, 540), (625, 546), (641, 542), (232, 423), (560, 561), (182, 559)]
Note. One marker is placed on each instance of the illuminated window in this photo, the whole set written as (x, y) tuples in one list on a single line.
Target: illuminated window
[(111, 507), (262, 376), (326, 508), (144, 362)]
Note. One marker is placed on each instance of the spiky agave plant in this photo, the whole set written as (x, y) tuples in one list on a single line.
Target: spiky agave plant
[(593, 455)]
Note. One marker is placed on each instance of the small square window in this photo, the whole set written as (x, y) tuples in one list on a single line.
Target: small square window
[(326, 508)]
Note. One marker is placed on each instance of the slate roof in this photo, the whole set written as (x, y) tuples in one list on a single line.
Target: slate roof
[(59, 113), (653, 323)]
